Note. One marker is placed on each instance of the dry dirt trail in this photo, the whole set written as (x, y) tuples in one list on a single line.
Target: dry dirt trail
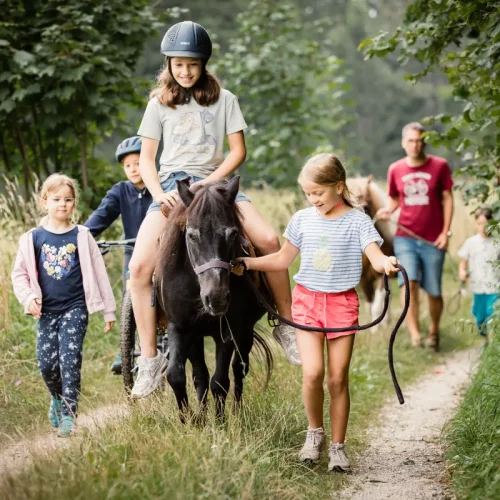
[(18, 456), (404, 460)]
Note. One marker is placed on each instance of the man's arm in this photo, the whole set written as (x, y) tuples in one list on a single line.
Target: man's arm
[(442, 240), (106, 213), (385, 213)]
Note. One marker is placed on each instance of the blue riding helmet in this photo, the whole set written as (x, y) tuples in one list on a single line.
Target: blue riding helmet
[(187, 39), (128, 146)]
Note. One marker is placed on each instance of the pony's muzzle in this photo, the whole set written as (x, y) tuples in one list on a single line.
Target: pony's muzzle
[(216, 303)]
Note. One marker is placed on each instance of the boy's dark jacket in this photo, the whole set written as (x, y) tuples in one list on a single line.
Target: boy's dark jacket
[(122, 199)]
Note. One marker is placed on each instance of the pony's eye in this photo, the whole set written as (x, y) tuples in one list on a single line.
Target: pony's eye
[(193, 234)]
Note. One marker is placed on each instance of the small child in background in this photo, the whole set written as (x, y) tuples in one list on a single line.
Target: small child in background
[(480, 256), (60, 278)]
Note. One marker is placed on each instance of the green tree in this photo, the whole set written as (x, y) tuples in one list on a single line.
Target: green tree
[(66, 76), (291, 89), (462, 40)]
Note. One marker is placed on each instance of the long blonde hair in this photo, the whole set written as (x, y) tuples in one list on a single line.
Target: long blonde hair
[(53, 183), (326, 169)]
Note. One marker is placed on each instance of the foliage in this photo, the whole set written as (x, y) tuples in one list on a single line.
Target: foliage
[(473, 435), (462, 39), (66, 74), (290, 87)]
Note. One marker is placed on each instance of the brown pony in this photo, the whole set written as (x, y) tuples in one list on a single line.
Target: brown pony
[(370, 197)]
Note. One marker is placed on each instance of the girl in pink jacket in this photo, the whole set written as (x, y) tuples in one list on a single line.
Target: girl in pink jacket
[(60, 278)]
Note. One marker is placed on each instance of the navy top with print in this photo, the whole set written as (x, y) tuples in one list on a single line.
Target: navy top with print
[(59, 273)]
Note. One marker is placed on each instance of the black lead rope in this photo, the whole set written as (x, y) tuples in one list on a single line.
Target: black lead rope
[(274, 314)]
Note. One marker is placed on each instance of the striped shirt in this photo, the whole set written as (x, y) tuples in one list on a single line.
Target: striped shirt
[(330, 249)]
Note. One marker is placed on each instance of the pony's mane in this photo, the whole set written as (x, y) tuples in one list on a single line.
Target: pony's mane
[(377, 194), (209, 201)]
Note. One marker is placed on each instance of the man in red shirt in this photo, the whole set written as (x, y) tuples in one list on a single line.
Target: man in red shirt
[(420, 185)]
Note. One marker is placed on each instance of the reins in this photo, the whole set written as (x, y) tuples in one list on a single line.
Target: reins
[(275, 314)]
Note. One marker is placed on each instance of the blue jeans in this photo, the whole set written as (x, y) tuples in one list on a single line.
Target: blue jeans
[(482, 309), (59, 348), (423, 263), (169, 184)]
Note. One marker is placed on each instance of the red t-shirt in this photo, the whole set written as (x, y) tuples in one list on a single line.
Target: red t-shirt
[(420, 192)]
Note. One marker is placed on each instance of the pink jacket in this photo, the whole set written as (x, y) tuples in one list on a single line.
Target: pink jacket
[(98, 291)]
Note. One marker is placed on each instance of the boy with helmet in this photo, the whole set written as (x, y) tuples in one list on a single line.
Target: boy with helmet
[(130, 199)]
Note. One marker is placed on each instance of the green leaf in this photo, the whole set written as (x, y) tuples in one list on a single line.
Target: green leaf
[(23, 58)]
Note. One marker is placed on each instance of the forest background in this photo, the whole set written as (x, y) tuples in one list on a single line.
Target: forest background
[(75, 76)]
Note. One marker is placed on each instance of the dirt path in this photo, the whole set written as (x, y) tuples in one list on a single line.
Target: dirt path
[(18, 456), (405, 457)]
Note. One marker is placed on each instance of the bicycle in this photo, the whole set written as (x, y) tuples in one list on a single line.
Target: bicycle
[(129, 344)]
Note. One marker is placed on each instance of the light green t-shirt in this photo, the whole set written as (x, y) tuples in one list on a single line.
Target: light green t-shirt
[(193, 135)]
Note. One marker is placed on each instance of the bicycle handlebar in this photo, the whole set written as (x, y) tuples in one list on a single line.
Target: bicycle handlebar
[(119, 243), (104, 245)]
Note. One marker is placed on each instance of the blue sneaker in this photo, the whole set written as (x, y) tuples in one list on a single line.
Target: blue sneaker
[(67, 427), (116, 367), (55, 412)]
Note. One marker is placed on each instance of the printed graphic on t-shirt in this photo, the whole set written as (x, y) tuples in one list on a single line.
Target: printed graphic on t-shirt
[(192, 138), (322, 258), (58, 262), (416, 189)]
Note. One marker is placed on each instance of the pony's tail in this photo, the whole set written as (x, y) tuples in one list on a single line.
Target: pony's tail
[(263, 351)]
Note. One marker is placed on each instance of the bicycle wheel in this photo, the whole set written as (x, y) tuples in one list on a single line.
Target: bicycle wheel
[(127, 341)]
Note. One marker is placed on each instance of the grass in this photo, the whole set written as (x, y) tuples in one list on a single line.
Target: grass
[(473, 436), (149, 454)]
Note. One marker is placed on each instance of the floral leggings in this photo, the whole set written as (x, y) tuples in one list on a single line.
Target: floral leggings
[(59, 351)]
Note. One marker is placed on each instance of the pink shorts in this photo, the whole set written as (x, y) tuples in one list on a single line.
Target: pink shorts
[(325, 310)]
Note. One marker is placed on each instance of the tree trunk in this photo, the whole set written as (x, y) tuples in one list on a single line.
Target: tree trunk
[(85, 181), (40, 142), (36, 155), (26, 163), (5, 155)]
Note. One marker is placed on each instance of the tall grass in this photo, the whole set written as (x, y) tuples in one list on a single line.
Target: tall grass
[(473, 436), (149, 454)]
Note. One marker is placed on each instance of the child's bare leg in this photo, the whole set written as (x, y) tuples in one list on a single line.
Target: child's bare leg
[(311, 349), (263, 237), (412, 318), (141, 273), (339, 358)]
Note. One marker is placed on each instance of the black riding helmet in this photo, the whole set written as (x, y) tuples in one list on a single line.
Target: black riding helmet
[(187, 39)]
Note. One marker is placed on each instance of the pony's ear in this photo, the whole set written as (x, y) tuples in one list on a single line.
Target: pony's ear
[(185, 193), (232, 189), (370, 178)]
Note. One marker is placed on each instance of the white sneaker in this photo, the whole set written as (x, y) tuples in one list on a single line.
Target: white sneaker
[(151, 371), (314, 445), (339, 461), (285, 336)]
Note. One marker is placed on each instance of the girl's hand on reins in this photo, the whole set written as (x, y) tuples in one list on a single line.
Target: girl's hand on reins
[(390, 266), (169, 199), (35, 308), (240, 264), (109, 325)]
